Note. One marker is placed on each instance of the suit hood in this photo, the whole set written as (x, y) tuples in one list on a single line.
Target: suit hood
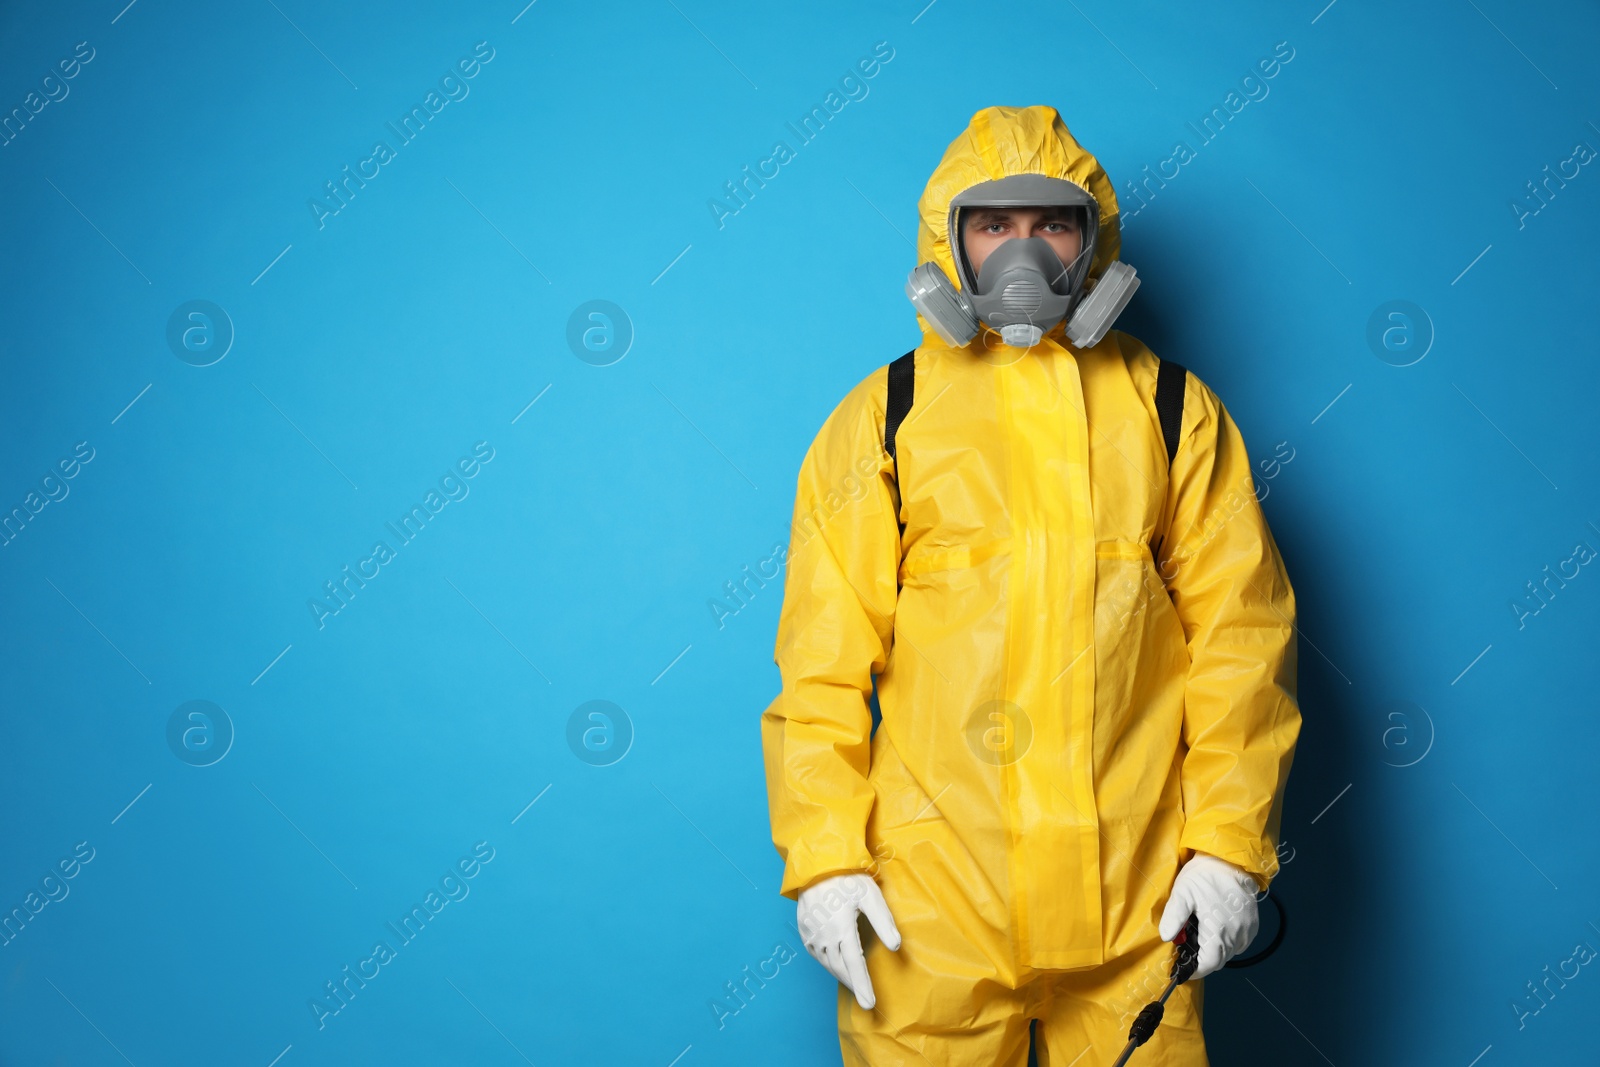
[(1000, 142)]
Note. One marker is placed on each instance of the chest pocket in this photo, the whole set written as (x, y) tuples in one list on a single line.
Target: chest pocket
[(955, 557)]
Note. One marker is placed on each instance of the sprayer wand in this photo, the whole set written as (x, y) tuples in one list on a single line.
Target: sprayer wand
[(1183, 968)]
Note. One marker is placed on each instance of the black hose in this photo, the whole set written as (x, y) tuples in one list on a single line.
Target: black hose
[(1277, 939)]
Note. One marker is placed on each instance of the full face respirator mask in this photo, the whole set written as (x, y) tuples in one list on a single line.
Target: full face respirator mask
[(1023, 289)]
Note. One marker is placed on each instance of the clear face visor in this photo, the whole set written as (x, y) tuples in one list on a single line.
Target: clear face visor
[(1064, 278), (1027, 191)]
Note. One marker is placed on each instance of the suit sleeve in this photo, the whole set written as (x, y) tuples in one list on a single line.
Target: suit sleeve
[(1232, 594), (834, 633)]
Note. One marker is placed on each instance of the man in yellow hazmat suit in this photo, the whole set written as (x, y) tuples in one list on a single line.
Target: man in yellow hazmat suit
[(1081, 635)]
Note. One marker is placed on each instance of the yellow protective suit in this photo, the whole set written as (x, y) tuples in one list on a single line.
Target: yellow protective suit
[(1065, 718)]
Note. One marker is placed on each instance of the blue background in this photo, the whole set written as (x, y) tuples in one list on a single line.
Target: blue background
[(1438, 846)]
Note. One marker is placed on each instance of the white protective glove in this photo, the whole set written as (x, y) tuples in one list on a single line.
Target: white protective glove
[(1224, 897), (827, 921)]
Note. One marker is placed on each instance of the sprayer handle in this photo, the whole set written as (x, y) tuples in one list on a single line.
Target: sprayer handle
[(1188, 942)]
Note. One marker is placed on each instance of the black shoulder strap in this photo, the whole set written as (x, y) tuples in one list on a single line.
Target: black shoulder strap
[(902, 392), (1171, 381)]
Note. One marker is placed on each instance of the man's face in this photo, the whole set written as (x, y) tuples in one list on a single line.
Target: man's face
[(984, 228)]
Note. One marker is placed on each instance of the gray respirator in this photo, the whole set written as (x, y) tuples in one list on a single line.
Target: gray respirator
[(1023, 289)]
